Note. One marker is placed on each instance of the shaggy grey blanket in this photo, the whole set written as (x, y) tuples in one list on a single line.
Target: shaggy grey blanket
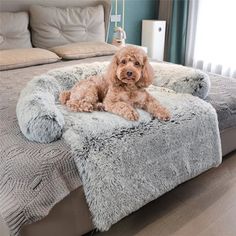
[(124, 165)]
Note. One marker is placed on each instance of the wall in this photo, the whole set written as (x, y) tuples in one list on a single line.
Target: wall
[(135, 12)]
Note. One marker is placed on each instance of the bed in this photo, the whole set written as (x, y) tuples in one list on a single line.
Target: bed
[(71, 216)]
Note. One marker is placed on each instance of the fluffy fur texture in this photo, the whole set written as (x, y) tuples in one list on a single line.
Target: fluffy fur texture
[(37, 112), (124, 165), (182, 79), (121, 89), (38, 117)]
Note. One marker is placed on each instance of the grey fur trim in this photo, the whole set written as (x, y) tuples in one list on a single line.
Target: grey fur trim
[(182, 79), (37, 113), (38, 117)]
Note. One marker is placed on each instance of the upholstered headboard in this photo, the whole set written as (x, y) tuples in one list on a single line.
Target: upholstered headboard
[(23, 5)]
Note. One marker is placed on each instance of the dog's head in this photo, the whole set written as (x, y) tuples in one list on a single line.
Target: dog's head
[(130, 65)]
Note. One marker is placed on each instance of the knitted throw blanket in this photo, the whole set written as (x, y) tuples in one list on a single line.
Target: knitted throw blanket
[(124, 165)]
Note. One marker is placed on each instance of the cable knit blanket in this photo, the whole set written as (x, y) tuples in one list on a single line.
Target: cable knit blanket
[(124, 165)]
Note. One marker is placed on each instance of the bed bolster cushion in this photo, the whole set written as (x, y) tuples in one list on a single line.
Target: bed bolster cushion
[(182, 79), (39, 118), (37, 111)]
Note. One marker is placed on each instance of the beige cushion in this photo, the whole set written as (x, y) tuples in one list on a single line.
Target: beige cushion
[(53, 26), (17, 58), (84, 50), (14, 31)]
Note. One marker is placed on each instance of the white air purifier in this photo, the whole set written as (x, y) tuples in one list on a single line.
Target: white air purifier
[(153, 37)]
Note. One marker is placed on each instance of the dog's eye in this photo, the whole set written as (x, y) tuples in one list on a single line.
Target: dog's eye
[(123, 62), (137, 63)]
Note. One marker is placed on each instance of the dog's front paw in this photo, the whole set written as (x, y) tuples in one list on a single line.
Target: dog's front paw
[(162, 114), (73, 106), (79, 106), (131, 115), (85, 106), (99, 106)]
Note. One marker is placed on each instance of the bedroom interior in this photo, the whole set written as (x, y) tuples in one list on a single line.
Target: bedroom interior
[(68, 173)]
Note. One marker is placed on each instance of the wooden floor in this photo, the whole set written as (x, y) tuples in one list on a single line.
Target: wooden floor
[(204, 206)]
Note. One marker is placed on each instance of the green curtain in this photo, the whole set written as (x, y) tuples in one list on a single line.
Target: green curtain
[(178, 31)]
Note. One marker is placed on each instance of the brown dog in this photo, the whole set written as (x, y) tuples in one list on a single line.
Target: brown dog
[(120, 90)]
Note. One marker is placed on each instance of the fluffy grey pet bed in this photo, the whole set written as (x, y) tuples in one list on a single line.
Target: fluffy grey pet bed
[(37, 112), (124, 165)]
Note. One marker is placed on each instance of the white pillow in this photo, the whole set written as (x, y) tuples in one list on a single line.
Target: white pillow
[(53, 26), (14, 31)]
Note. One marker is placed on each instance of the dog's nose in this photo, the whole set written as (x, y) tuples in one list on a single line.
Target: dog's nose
[(129, 73)]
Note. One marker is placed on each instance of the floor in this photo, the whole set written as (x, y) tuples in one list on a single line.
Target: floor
[(204, 206)]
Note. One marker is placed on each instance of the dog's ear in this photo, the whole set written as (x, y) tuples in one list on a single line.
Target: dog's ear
[(111, 76), (147, 75)]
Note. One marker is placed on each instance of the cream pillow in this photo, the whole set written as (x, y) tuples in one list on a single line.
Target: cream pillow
[(84, 50), (17, 58)]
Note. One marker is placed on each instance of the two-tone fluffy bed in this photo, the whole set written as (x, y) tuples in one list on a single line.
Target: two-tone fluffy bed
[(57, 169), (71, 216)]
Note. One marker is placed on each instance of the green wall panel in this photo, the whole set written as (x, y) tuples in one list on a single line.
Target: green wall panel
[(135, 12)]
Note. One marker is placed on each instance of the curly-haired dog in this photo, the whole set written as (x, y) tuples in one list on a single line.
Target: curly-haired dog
[(128, 76), (121, 89)]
